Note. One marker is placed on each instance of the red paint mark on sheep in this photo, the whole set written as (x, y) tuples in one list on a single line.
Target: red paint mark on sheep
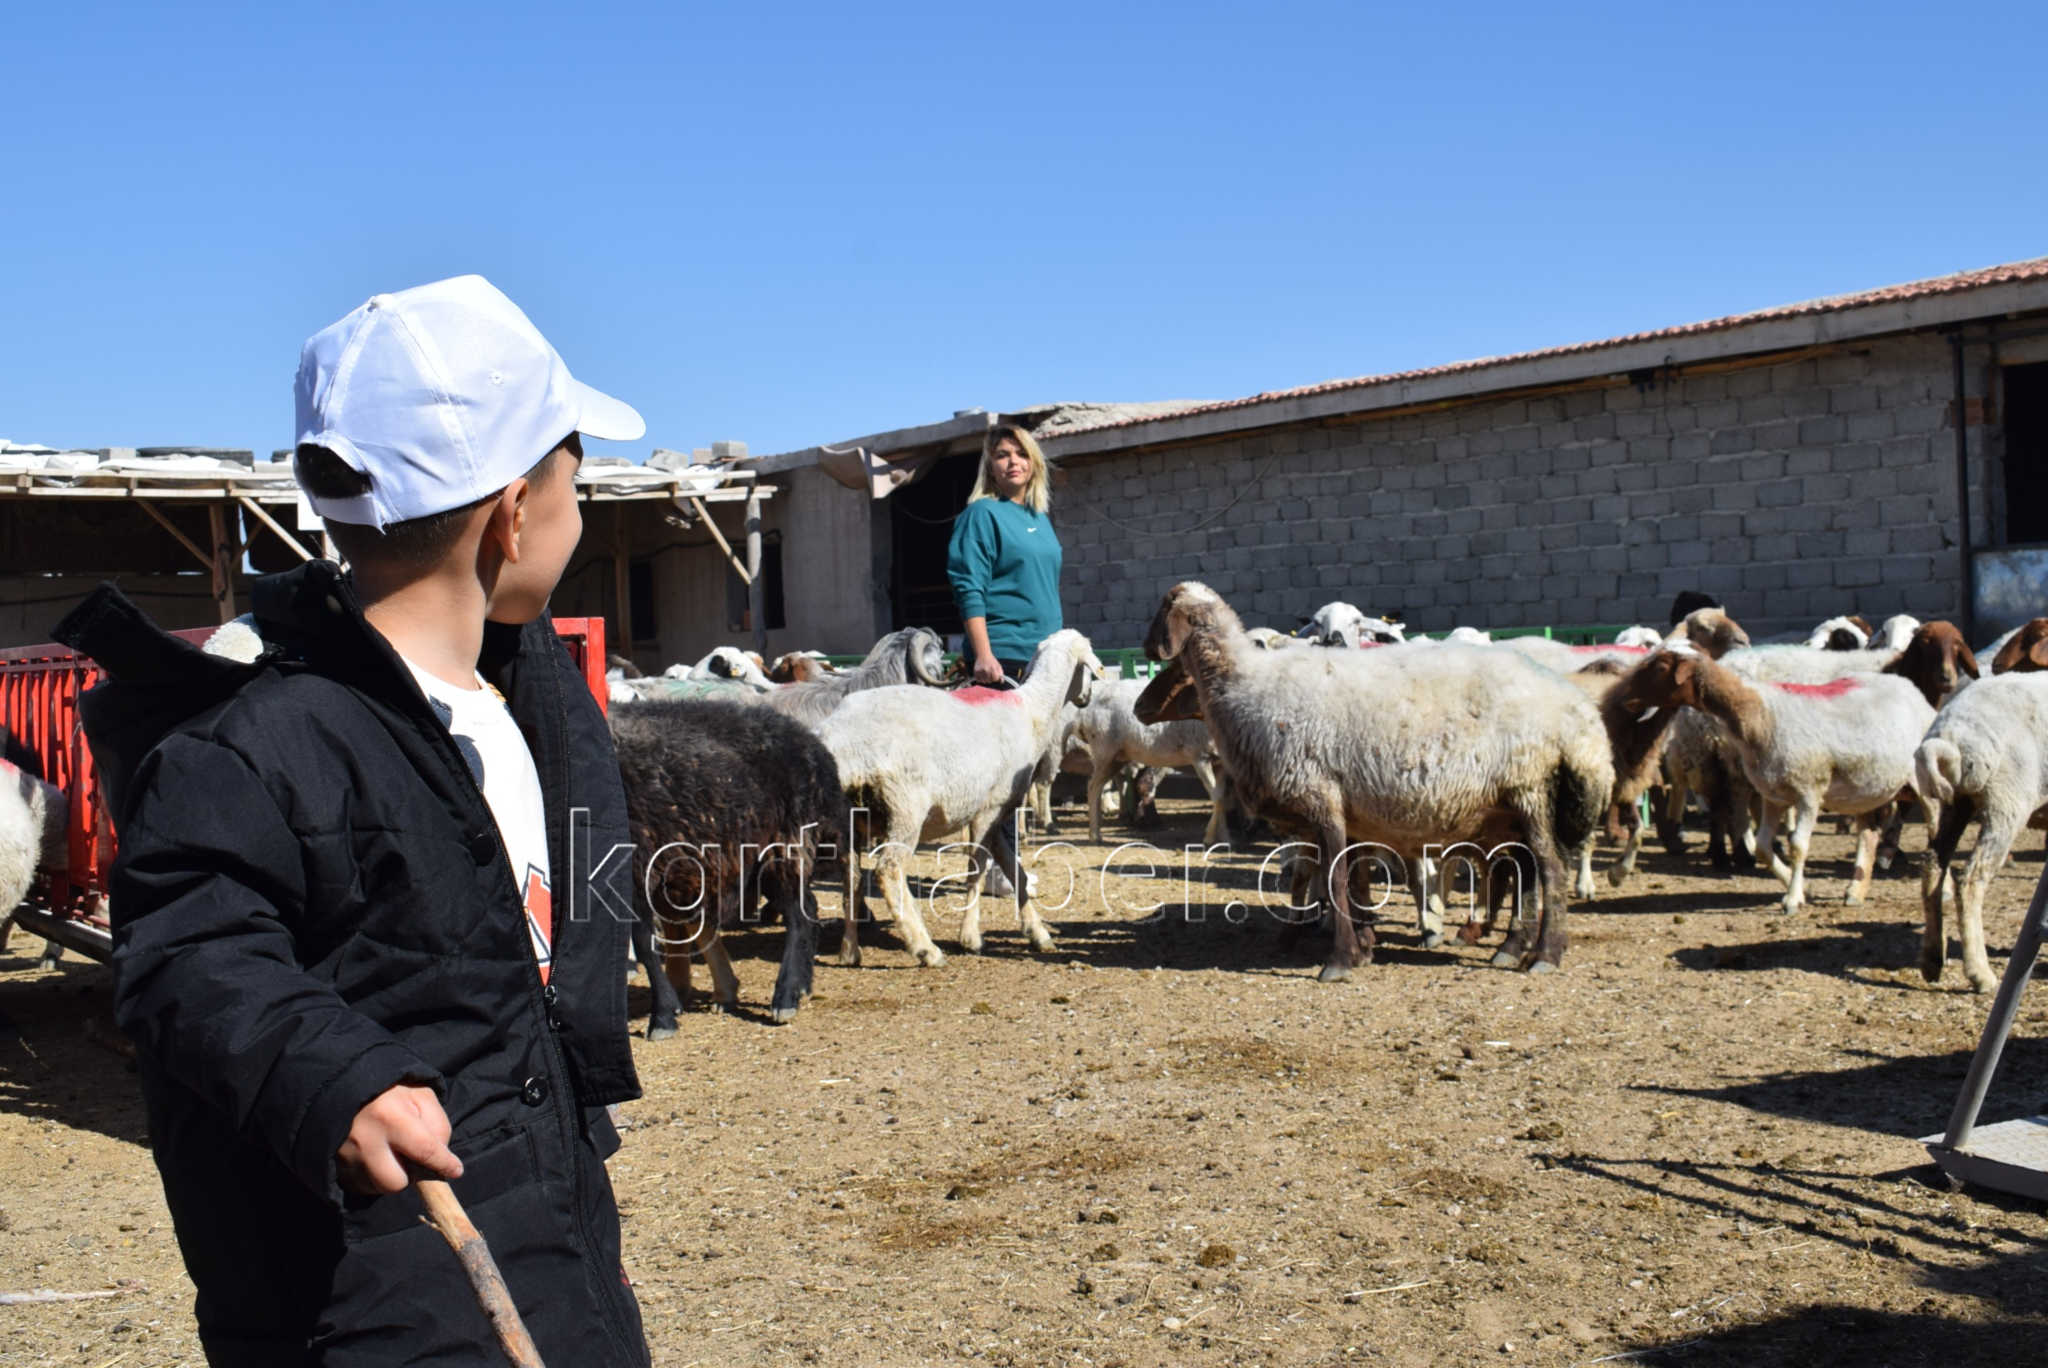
[(1604, 650), (975, 695), (1834, 688)]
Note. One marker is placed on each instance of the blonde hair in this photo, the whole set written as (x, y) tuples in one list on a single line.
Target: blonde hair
[(1037, 490)]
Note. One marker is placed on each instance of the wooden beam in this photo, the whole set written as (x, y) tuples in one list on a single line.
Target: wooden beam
[(704, 514), (223, 561), (622, 583), (183, 540), (274, 525), (757, 597)]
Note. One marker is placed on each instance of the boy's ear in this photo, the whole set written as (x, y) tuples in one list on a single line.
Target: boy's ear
[(508, 519)]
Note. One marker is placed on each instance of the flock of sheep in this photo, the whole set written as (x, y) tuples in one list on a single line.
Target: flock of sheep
[(1368, 751)]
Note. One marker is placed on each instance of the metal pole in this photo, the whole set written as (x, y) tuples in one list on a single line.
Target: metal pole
[(757, 599), (2004, 1009), (1964, 548)]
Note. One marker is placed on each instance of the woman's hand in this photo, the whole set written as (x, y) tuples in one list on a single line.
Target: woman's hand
[(986, 670)]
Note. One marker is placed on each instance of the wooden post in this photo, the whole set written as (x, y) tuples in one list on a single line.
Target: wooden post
[(622, 581), (223, 561), (757, 599)]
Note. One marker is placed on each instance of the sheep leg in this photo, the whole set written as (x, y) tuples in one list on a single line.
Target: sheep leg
[(1004, 850), (1799, 840), (1097, 777), (1937, 881), (1346, 949), (1866, 859), (1217, 832), (725, 984), (1671, 820), (979, 861), (891, 860), (1994, 844), (1582, 887), (799, 952), (1429, 903), (1767, 842), (1632, 844), (849, 921), (661, 1020), (1551, 937)]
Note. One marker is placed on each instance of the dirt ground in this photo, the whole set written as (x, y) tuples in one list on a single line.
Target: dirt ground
[(1166, 1143)]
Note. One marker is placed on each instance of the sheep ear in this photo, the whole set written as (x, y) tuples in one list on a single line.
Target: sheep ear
[(1966, 661), (2038, 653)]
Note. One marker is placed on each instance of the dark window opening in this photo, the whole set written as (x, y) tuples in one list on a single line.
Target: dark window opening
[(2026, 454), (640, 590), (921, 523), (736, 619)]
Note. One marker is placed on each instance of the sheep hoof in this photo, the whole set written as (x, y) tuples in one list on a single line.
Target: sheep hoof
[(1617, 875), (1334, 973), (1432, 939), (970, 947), (1985, 984), (655, 1032), (931, 957), (782, 1016), (850, 959), (1853, 898), (1045, 945), (1542, 966), (1505, 958)]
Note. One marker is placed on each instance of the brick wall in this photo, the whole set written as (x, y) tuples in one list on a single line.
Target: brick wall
[(1792, 491)]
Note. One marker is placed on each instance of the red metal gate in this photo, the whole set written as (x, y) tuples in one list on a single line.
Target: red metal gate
[(39, 691)]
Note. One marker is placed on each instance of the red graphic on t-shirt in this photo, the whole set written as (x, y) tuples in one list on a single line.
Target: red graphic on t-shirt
[(540, 919)]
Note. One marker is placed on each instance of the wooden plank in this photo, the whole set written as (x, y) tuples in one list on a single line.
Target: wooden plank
[(222, 562), (183, 540), (717, 536), (622, 582), (274, 525), (756, 594)]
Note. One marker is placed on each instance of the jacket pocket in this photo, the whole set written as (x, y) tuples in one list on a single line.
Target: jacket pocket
[(492, 1165)]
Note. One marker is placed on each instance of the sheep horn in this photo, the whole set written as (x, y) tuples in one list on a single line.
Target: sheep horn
[(921, 656)]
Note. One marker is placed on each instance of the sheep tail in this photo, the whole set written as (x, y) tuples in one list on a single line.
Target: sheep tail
[(1937, 768), (1578, 803)]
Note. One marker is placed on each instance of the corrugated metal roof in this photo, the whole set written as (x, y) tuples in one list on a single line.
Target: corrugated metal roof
[(2010, 273)]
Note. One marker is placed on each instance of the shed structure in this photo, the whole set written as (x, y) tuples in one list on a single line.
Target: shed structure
[(1877, 452)]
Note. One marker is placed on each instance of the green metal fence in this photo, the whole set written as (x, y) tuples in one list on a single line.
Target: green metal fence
[(1130, 661)]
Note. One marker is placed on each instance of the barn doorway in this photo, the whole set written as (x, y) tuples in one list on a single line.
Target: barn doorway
[(2026, 454), (921, 527)]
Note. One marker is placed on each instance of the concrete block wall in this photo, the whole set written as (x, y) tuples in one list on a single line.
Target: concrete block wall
[(1792, 491)]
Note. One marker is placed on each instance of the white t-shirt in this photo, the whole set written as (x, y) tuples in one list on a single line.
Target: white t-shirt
[(501, 764)]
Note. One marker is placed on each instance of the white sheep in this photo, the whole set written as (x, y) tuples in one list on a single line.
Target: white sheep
[(1467, 636), (1638, 636), (923, 763), (730, 662), (1411, 749), (1112, 735), (1840, 634), (1981, 760), (1842, 746), (1341, 624)]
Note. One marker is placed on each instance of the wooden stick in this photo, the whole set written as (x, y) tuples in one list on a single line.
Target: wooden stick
[(446, 1215), (44, 1294)]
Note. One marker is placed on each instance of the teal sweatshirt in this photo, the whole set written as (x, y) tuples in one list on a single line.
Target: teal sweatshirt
[(1005, 566)]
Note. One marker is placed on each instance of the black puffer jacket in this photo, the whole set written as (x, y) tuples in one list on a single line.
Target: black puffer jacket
[(311, 904)]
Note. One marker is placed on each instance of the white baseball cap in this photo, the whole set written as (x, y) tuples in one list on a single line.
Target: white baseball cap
[(442, 395)]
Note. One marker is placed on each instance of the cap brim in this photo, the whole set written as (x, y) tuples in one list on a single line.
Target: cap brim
[(603, 416)]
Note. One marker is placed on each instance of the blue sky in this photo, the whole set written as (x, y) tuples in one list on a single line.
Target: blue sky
[(801, 223)]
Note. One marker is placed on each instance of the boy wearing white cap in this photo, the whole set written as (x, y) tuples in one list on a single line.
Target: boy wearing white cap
[(367, 902)]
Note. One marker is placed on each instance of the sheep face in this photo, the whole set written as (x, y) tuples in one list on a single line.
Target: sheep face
[(1170, 625), (1936, 660), (1840, 634), (1670, 678), (2026, 651), (1712, 630), (1170, 697)]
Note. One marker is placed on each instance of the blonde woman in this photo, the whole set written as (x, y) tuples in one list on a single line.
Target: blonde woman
[(1004, 560)]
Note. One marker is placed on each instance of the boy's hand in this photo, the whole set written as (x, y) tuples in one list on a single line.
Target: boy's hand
[(401, 1134)]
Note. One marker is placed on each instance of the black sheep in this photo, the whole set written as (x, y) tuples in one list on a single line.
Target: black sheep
[(724, 799)]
